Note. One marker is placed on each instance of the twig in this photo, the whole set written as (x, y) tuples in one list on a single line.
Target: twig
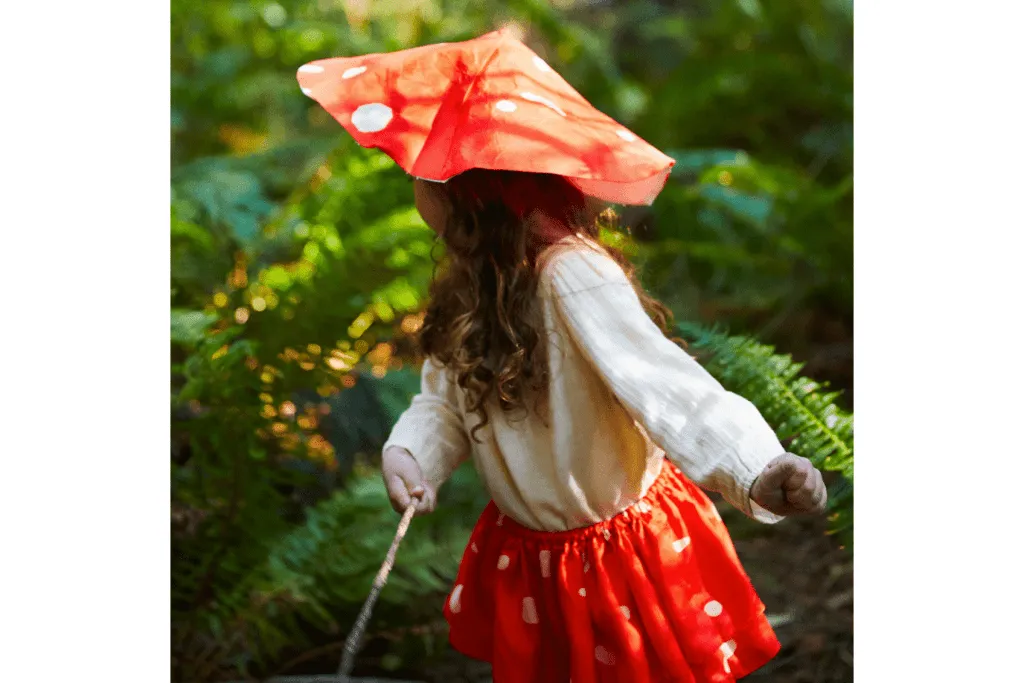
[(352, 644)]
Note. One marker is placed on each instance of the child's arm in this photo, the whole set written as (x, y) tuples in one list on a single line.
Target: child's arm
[(433, 438), (718, 439)]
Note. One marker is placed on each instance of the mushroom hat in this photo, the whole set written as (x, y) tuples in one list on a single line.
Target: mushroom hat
[(491, 102)]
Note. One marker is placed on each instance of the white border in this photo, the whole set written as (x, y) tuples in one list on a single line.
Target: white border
[(939, 253), (84, 342), (938, 309)]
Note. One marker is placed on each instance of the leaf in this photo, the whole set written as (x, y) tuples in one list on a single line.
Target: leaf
[(276, 277), (752, 209), (189, 327), (752, 8), (186, 229), (233, 198), (695, 161), (396, 390)]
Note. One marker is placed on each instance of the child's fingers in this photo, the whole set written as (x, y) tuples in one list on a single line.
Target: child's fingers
[(811, 498), (774, 500), (820, 502), (799, 473), (775, 475), (800, 501), (419, 496), (399, 493), (790, 485), (426, 502), (820, 493)]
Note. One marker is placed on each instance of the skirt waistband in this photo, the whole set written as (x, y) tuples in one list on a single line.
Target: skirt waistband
[(640, 512)]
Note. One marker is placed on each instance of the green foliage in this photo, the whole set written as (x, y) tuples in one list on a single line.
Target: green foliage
[(189, 327), (317, 573), (804, 415)]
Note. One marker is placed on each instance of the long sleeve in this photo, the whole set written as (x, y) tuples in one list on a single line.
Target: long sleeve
[(717, 438), (431, 429)]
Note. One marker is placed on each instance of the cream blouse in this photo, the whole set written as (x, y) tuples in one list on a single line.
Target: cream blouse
[(623, 396)]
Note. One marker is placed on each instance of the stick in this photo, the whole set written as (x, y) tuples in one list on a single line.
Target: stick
[(354, 638)]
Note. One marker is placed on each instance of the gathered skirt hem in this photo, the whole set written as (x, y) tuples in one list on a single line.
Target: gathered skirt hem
[(656, 594)]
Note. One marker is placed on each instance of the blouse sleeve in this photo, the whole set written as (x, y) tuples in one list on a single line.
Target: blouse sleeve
[(431, 428), (718, 439)]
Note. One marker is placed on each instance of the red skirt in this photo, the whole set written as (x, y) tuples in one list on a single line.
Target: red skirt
[(652, 595)]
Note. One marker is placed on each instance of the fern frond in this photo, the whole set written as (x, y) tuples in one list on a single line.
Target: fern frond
[(320, 571), (801, 410)]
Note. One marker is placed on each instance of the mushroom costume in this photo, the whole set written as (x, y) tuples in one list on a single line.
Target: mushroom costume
[(599, 557)]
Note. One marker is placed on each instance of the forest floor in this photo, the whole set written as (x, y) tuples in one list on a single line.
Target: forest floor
[(806, 582)]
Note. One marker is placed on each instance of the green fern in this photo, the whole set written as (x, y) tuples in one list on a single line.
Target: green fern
[(803, 414), (319, 572)]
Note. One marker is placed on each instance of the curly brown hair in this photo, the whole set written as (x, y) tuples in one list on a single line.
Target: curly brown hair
[(484, 321)]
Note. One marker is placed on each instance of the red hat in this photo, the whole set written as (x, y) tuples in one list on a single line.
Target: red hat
[(490, 102)]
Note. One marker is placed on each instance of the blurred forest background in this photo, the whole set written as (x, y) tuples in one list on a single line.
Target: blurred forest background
[(299, 274)]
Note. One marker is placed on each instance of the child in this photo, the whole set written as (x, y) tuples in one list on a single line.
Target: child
[(599, 559)]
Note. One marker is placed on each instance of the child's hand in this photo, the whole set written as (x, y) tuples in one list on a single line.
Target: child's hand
[(404, 481), (790, 485)]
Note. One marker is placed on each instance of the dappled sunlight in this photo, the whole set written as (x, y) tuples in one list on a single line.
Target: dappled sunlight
[(412, 324)]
